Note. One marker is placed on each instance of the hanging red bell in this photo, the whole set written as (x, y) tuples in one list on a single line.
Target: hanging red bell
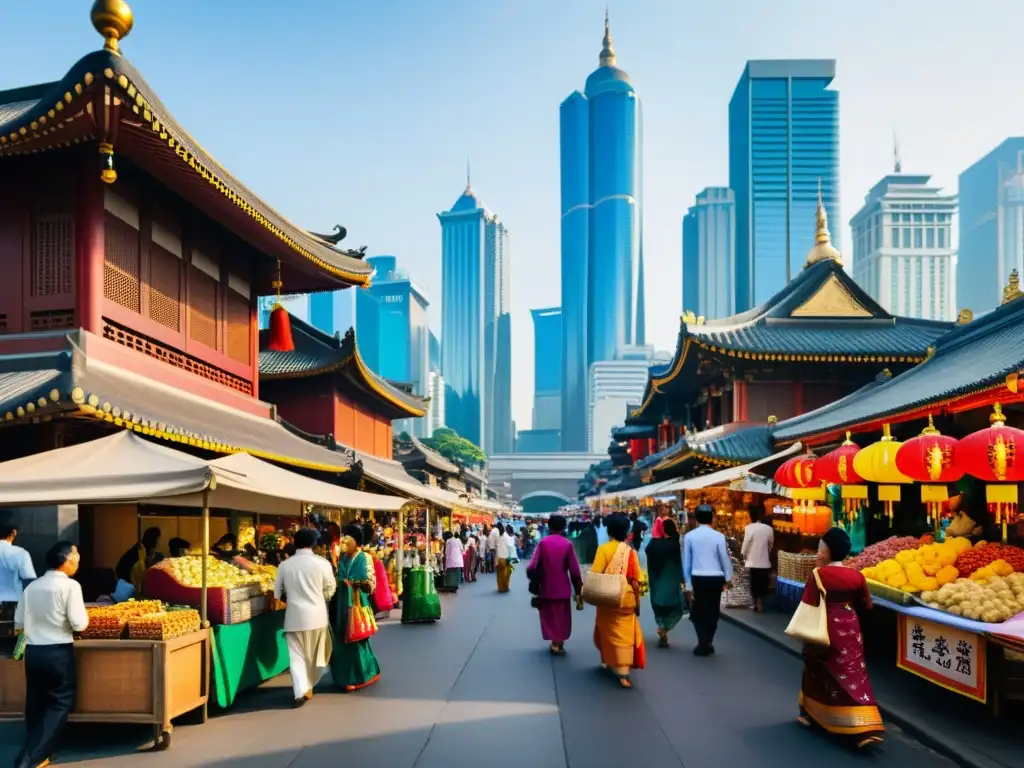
[(280, 330)]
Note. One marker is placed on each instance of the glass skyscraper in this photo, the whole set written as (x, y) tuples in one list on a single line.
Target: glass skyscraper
[(783, 138), (991, 226), (476, 345), (709, 254), (547, 368), (602, 232)]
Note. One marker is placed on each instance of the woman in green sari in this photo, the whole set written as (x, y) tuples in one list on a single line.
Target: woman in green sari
[(665, 567), (353, 665)]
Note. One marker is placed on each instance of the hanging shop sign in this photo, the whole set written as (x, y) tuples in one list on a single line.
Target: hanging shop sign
[(949, 657)]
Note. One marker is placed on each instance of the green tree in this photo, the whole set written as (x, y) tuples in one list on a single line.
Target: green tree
[(454, 447), (405, 437)]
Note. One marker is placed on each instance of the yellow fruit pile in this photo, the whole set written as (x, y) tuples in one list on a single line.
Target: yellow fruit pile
[(918, 570), (188, 571), (999, 568), (267, 574), (163, 625), (107, 621)]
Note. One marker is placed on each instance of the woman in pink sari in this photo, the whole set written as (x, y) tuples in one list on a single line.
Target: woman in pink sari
[(554, 575), (836, 692)]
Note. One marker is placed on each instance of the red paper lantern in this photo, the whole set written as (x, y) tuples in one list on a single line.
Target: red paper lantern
[(280, 330), (797, 473), (836, 467), (994, 454), (930, 457)]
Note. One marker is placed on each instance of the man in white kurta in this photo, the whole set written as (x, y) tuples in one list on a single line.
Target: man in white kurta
[(306, 582)]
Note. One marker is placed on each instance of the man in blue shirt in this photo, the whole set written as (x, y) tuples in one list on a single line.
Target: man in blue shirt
[(707, 572)]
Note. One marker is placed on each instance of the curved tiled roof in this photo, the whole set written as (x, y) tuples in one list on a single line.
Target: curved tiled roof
[(317, 353), (51, 115)]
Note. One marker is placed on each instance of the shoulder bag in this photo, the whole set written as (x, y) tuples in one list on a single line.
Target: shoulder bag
[(810, 622), (608, 589)]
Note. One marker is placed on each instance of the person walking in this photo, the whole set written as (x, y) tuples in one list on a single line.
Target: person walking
[(638, 530), (453, 562), (758, 540), (353, 663), (665, 565), (835, 692), (707, 572), (469, 559), (306, 583), (554, 575), (492, 547), (50, 611), (617, 632), (504, 555), (16, 570)]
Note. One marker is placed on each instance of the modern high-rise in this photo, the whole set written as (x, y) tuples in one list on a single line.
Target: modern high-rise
[(399, 350), (613, 386), (903, 252), (783, 138), (709, 254), (547, 368), (330, 311), (991, 225), (435, 408), (602, 231), (475, 323)]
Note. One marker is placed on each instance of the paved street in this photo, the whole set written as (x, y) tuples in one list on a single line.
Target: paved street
[(479, 689)]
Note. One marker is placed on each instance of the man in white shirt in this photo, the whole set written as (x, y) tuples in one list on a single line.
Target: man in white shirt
[(492, 547), (306, 582), (15, 569), (758, 540), (50, 611)]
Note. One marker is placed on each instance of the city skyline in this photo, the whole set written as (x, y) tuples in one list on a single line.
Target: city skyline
[(385, 155)]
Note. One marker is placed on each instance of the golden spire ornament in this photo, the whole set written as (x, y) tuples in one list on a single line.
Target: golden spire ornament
[(823, 249), (1012, 290), (114, 20), (607, 57)]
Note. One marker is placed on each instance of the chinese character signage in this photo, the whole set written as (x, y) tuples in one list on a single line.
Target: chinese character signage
[(946, 656)]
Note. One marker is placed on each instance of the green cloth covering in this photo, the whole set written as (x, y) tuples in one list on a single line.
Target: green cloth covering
[(246, 655), (353, 665), (420, 601)]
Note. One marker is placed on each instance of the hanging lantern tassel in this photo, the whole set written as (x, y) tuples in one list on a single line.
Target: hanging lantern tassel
[(933, 497), (888, 495), (280, 321), (1002, 500)]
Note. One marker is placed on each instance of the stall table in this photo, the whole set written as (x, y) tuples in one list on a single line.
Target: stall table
[(126, 681), (246, 655)]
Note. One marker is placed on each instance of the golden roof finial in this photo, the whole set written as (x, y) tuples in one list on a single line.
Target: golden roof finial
[(113, 19), (1012, 290), (996, 418), (823, 249), (964, 317), (607, 57), (930, 429)]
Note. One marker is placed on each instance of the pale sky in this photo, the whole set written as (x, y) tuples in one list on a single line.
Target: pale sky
[(363, 113)]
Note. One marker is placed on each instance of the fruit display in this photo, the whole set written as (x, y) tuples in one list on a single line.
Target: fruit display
[(883, 550), (985, 554), (926, 568), (163, 625), (188, 571), (267, 575), (993, 602), (107, 622)]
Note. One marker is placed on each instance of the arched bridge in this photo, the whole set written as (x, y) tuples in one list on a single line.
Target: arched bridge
[(541, 482)]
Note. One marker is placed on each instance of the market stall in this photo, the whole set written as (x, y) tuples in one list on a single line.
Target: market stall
[(121, 474)]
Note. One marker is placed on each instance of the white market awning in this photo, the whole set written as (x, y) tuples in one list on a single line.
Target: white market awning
[(728, 475)]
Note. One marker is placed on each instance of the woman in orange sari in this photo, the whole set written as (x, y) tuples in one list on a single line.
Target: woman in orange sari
[(836, 692), (617, 633)]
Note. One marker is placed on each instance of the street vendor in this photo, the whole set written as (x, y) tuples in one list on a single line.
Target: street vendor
[(16, 570), (131, 568)]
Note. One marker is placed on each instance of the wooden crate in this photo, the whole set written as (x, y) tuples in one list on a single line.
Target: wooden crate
[(127, 681)]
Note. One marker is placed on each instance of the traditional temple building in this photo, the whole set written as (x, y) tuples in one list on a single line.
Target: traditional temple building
[(323, 385), (426, 465), (132, 264), (819, 339)]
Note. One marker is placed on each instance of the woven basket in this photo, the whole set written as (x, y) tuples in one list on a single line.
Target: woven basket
[(796, 567)]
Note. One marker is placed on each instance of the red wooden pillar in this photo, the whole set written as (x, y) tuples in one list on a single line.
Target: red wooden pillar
[(739, 401), (798, 398), (89, 244)]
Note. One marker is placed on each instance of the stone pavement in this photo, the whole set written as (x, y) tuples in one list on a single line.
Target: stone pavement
[(479, 689)]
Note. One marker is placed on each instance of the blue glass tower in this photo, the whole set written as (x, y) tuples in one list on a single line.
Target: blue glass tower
[(783, 137), (476, 346), (709, 254), (547, 368), (602, 228)]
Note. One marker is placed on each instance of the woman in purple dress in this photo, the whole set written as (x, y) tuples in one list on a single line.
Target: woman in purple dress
[(554, 575)]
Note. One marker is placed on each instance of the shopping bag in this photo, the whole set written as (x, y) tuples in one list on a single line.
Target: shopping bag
[(361, 623), (810, 622)]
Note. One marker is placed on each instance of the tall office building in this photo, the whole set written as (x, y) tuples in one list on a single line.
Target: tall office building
[(903, 253), (547, 368), (330, 311), (709, 254), (602, 231), (475, 323), (783, 138), (396, 342), (435, 408), (991, 225), (613, 386)]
